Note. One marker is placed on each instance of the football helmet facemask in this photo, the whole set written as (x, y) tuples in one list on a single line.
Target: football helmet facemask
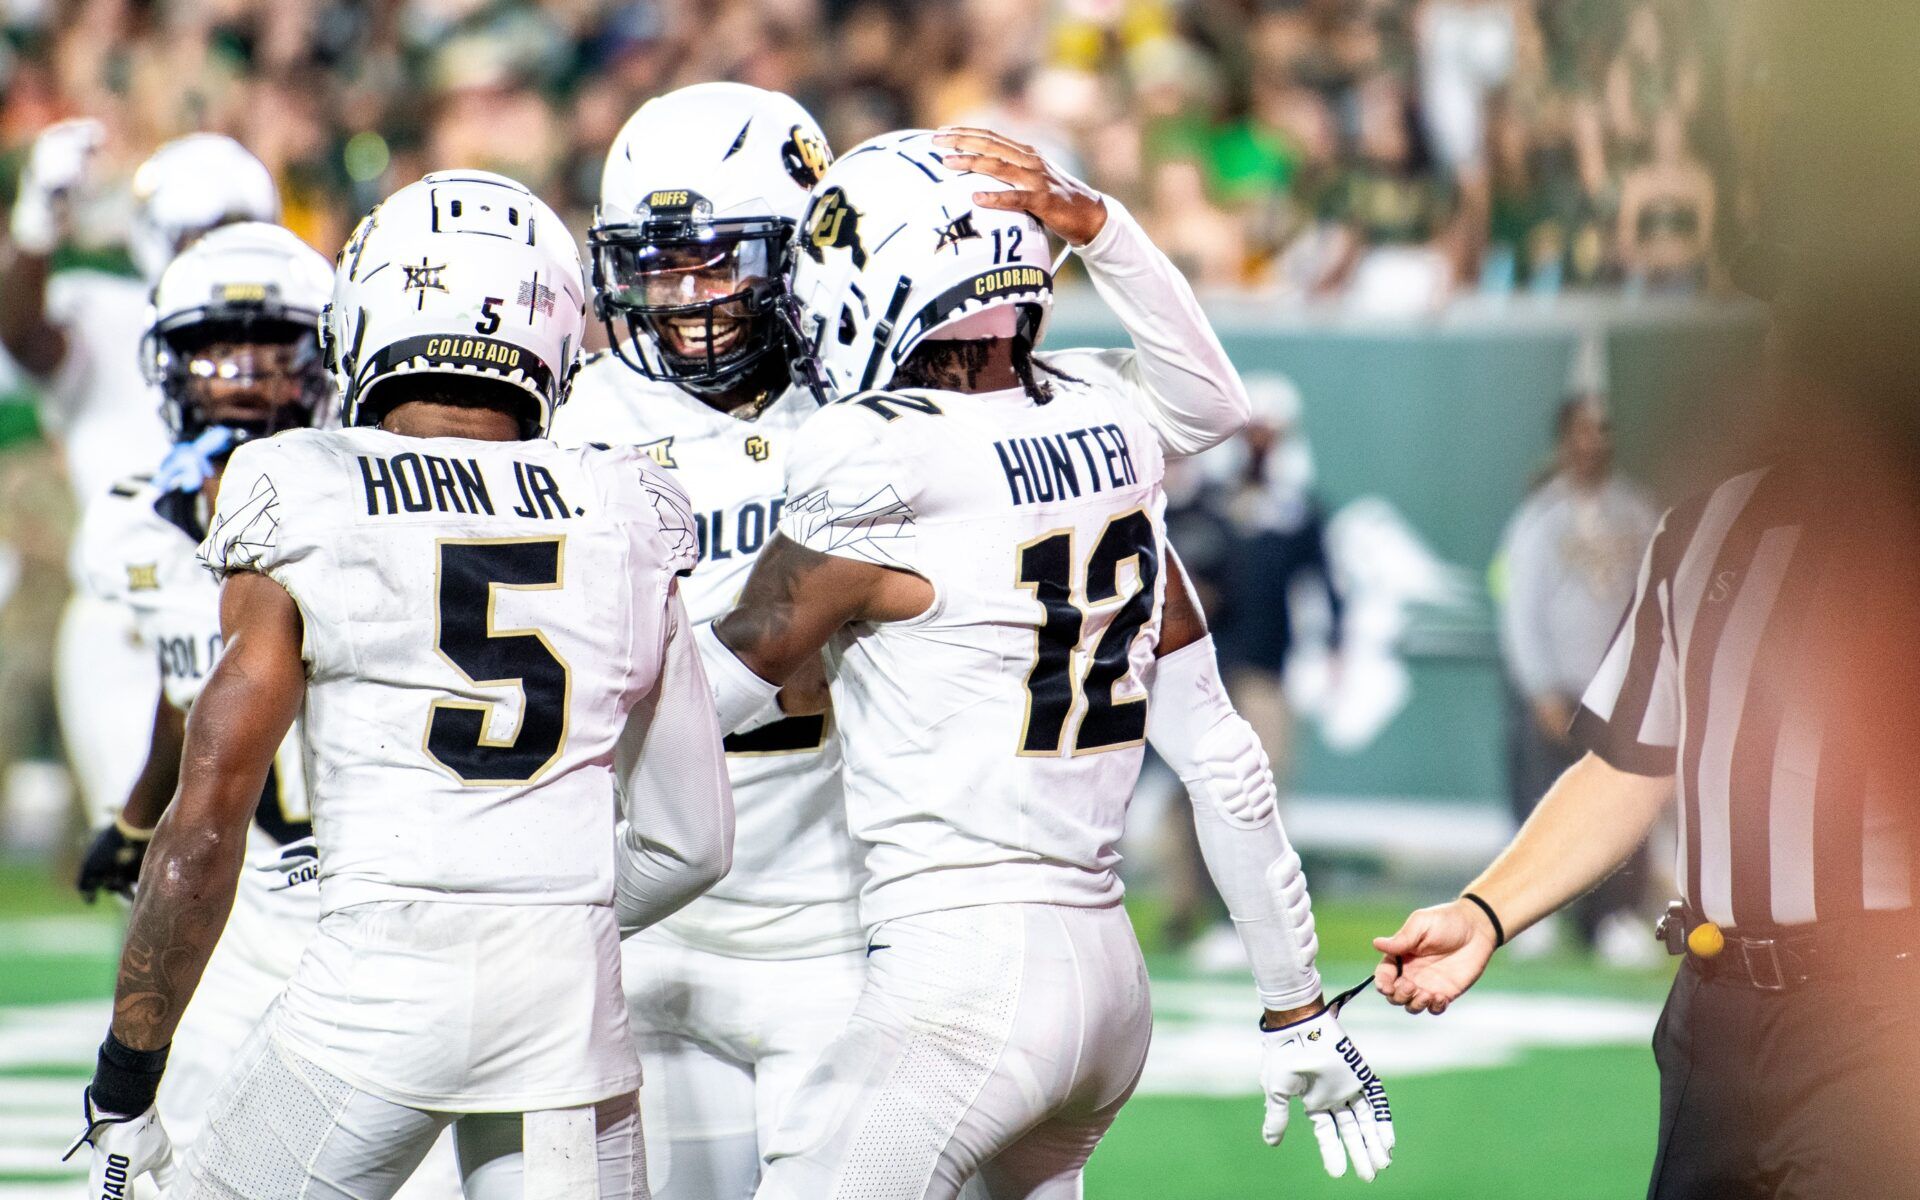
[(233, 334), (691, 245)]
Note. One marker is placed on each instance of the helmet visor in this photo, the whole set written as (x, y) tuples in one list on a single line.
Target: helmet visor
[(262, 378)]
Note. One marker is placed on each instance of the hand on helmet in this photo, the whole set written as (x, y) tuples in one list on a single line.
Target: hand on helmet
[(1068, 208)]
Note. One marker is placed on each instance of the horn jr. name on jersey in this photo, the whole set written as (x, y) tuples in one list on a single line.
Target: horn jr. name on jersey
[(416, 483)]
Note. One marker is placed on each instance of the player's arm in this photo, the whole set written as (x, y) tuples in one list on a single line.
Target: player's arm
[(57, 167), (1193, 726), (113, 859), (193, 867), (191, 873), (1194, 397), (794, 600), (676, 835)]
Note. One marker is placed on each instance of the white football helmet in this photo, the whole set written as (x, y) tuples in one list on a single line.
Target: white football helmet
[(463, 273), (190, 185), (233, 332), (893, 250), (691, 243)]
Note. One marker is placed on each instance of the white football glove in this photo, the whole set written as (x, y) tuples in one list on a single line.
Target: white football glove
[(57, 167), (1315, 1060), (124, 1149)]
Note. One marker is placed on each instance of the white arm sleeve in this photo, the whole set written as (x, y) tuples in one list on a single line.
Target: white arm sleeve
[(1194, 397), (742, 699), (1192, 725), (676, 838)]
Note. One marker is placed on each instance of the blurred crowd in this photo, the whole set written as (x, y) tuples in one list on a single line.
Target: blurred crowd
[(1389, 152)]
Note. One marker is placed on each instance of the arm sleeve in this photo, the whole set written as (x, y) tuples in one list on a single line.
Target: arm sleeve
[(741, 699), (676, 835), (847, 494), (1192, 725), (1192, 395), (1524, 635), (1630, 714)]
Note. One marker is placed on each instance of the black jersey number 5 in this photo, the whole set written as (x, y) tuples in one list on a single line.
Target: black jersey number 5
[(1045, 567), (471, 574)]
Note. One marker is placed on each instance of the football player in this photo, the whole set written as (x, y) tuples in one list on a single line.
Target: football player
[(77, 332), (982, 546), (480, 630), (233, 346), (733, 997)]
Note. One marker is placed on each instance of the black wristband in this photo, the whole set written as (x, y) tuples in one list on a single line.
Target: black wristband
[(1499, 930), (125, 1079)]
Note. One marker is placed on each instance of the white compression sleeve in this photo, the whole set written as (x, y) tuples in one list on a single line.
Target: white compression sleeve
[(1195, 398), (676, 840), (742, 699), (1193, 726)]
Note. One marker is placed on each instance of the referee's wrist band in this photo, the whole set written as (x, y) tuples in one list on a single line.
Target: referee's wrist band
[(1499, 930)]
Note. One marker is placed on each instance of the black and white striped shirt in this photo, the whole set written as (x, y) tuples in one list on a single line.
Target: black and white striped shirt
[(1711, 679)]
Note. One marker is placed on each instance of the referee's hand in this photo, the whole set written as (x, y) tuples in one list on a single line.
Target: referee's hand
[(1439, 953)]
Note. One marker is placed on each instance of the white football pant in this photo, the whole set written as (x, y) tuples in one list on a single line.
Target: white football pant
[(999, 1040), (724, 1043), (256, 954), (281, 1128)]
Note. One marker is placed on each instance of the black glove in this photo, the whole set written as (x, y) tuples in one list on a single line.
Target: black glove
[(113, 860)]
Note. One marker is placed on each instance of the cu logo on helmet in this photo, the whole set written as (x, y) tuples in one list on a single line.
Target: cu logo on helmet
[(806, 156), (834, 223)]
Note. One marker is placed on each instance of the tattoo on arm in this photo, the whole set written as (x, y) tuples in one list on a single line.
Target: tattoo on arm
[(793, 601), (192, 870)]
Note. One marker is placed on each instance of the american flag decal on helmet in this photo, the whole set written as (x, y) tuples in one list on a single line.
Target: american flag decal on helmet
[(535, 295)]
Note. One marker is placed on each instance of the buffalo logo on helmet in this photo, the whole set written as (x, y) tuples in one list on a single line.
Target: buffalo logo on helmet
[(806, 156), (833, 223)]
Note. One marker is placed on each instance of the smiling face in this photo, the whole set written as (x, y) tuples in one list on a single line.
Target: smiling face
[(701, 295)]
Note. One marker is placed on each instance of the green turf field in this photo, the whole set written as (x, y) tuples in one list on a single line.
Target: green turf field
[(1539, 1085)]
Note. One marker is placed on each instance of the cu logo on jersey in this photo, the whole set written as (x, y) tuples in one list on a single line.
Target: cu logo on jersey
[(757, 448), (833, 223)]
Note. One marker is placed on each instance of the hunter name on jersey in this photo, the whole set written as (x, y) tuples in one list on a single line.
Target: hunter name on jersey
[(418, 483), (1041, 469)]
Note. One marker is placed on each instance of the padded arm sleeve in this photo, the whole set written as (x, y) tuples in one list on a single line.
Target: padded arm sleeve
[(676, 838), (1193, 396), (1193, 726)]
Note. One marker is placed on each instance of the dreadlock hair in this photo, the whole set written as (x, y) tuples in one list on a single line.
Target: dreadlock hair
[(943, 365)]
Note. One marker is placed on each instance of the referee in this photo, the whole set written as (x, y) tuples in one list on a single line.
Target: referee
[(1789, 1050)]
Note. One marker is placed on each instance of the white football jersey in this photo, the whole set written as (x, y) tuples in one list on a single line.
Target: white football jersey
[(479, 618), (993, 742), (98, 403), (137, 546), (795, 879)]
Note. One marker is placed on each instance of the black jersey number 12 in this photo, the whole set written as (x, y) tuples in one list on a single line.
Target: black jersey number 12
[(1046, 567)]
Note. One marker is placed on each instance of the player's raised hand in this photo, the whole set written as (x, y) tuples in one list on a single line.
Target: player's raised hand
[(57, 167), (1438, 953), (1067, 207), (1315, 1060)]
